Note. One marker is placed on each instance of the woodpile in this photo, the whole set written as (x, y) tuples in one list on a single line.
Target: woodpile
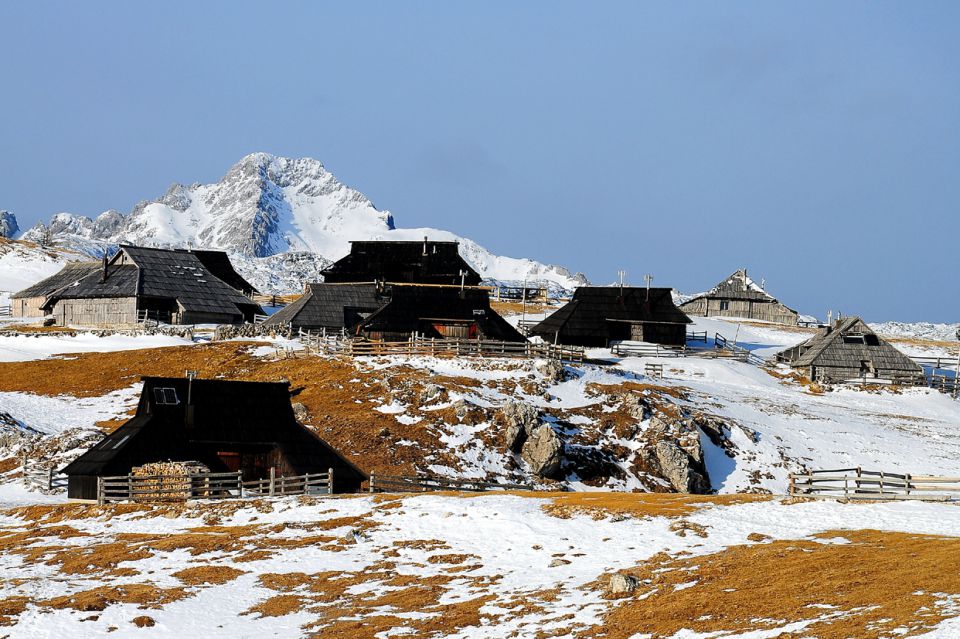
[(166, 480)]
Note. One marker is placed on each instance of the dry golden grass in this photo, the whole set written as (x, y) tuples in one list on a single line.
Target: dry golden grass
[(207, 575), (96, 599), (600, 505), (507, 309), (866, 589)]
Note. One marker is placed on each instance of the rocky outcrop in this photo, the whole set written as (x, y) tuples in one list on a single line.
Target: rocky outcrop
[(679, 468), (622, 585), (517, 421), (8, 224), (543, 452)]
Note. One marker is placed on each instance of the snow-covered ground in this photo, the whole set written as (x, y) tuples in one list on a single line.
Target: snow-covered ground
[(278, 560), (18, 347), (918, 330)]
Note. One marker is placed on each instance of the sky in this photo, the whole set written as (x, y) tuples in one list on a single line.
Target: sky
[(816, 144)]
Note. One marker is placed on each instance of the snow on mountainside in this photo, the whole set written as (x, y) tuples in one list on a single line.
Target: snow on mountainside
[(23, 263), (918, 330), (270, 211)]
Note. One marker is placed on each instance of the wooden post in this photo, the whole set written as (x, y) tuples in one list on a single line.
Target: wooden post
[(329, 481), (50, 477), (100, 495), (372, 475), (130, 487), (273, 479)]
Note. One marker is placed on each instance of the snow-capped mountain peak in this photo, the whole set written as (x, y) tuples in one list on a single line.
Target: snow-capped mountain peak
[(264, 208)]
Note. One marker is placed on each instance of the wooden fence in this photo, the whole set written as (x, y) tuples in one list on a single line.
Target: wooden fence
[(697, 336), (723, 343), (6, 311), (643, 349), (152, 488), (43, 477), (723, 348), (856, 483), (309, 484), (403, 484), (463, 348)]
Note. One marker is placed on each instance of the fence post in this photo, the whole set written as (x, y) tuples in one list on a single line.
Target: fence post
[(100, 495), (372, 475), (329, 481), (130, 487), (273, 479), (50, 477)]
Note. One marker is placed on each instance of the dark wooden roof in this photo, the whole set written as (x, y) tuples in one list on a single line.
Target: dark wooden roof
[(589, 312), (331, 306), (409, 306), (70, 273), (159, 273), (218, 263), (424, 262), (829, 348), (226, 415)]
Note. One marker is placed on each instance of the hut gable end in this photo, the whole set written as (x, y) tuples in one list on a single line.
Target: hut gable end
[(425, 262)]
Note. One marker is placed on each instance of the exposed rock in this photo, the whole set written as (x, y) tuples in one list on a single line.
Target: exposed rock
[(677, 468), (559, 562), (543, 451), (518, 421), (8, 224), (300, 412), (621, 584), (551, 369), (431, 393), (469, 413)]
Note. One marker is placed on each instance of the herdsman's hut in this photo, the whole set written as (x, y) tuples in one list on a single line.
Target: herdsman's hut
[(168, 285), (331, 307), (228, 426), (440, 312), (423, 262), (28, 302), (598, 315), (848, 350), (397, 311), (740, 296)]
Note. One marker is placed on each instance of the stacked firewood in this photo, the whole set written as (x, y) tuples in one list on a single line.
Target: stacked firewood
[(169, 480)]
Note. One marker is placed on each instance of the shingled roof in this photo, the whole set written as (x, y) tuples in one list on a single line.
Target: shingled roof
[(738, 286), (330, 306), (847, 344), (592, 308), (70, 273), (218, 263), (158, 273), (412, 306), (425, 262)]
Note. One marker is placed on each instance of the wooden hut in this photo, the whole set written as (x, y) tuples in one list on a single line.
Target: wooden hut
[(173, 286), (598, 315), (740, 296), (437, 311), (848, 350), (331, 307), (29, 301), (423, 262), (228, 426)]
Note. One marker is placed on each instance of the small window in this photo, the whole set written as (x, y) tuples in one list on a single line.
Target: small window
[(853, 339), (166, 396), (724, 305)]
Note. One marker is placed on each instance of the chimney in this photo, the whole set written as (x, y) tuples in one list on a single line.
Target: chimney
[(103, 271)]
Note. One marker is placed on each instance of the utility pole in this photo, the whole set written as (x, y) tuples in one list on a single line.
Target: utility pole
[(523, 302)]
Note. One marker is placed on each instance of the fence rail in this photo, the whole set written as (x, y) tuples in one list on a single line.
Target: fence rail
[(402, 484), (856, 483), (341, 345), (6, 311), (697, 336), (43, 477), (209, 486), (723, 343), (309, 484)]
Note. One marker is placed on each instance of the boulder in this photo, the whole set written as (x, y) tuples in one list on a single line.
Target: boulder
[(551, 369), (543, 451), (300, 412), (621, 584), (518, 421), (677, 468)]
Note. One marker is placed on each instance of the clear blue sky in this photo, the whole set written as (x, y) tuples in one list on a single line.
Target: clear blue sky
[(815, 143)]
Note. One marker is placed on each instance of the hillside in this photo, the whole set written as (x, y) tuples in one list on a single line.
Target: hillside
[(23, 263), (281, 219)]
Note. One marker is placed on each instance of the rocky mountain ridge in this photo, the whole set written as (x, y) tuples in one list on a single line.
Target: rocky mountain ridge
[(282, 220)]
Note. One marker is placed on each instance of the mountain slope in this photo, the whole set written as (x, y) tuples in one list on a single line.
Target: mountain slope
[(265, 209)]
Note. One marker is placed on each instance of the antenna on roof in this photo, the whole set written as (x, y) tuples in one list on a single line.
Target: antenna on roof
[(424, 244), (648, 278), (463, 277), (188, 410)]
